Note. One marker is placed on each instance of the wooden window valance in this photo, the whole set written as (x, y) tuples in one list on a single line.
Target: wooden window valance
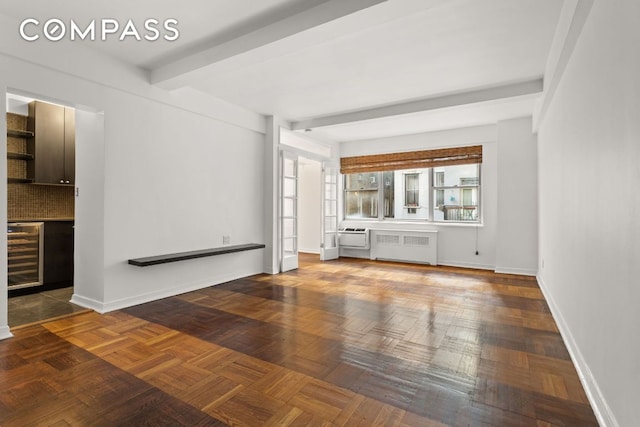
[(411, 160)]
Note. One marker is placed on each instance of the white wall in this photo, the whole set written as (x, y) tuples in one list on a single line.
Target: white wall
[(309, 206), (589, 169), (89, 207), (167, 160), (175, 181), (507, 237), (517, 238), (456, 242), (271, 196)]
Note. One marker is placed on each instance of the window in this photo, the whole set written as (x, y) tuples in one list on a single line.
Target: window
[(404, 195), (388, 197), (411, 192), (361, 195), (456, 192), (435, 185)]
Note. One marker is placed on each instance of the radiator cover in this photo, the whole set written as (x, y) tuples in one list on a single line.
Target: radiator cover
[(405, 245)]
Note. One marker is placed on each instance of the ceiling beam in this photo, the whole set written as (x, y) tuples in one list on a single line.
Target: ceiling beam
[(496, 93), (174, 75), (573, 16)]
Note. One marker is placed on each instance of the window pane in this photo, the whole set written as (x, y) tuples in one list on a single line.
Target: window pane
[(362, 181), (289, 167), (330, 178), (412, 186), (330, 193), (330, 223), (388, 182), (289, 227), (452, 176), (361, 204), (330, 208), (289, 187), (460, 205), (361, 195), (289, 207), (289, 246), (457, 198), (467, 197), (411, 190)]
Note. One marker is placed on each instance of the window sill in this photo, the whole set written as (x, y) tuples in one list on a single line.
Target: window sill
[(418, 224)]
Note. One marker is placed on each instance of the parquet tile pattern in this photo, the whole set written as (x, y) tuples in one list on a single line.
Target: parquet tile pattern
[(346, 342)]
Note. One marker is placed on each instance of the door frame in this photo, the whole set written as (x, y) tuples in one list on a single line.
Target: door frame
[(329, 242), (288, 259)]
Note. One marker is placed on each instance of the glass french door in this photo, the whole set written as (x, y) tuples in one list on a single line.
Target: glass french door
[(288, 211), (329, 242)]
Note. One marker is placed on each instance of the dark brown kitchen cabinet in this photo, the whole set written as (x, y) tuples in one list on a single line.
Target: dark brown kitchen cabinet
[(54, 145), (58, 253)]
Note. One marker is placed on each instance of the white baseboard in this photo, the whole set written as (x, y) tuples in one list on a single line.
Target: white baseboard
[(105, 307), (5, 332), (315, 251), (267, 269), (440, 262), (462, 264), (87, 303), (598, 402), (519, 271)]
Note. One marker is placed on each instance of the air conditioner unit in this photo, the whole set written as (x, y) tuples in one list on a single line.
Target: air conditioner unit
[(351, 237)]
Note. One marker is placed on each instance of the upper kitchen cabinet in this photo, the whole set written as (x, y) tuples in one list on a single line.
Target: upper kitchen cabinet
[(54, 144)]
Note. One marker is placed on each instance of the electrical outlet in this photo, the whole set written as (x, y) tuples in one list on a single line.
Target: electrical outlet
[(226, 240)]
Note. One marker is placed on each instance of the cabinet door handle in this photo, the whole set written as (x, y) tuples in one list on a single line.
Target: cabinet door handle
[(62, 181), (66, 182)]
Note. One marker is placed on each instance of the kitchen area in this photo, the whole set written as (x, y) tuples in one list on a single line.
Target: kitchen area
[(40, 209)]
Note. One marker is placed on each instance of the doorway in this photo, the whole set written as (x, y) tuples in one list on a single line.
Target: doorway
[(40, 209), (309, 209), (309, 205)]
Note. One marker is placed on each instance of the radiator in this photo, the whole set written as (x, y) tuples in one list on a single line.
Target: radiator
[(405, 245)]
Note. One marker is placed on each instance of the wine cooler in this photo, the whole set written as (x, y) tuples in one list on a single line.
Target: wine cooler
[(24, 254)]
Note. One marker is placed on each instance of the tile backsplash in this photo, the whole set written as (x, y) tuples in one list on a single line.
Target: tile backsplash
[(29, 201)]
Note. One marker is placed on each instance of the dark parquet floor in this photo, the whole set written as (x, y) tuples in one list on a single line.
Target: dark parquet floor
[(346, 342)]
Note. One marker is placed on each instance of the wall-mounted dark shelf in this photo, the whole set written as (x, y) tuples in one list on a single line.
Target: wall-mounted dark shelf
[(19, 156), (19, 181), (181, 256), (20, 133)]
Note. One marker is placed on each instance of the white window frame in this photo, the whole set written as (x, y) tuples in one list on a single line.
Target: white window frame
[(431, 178)]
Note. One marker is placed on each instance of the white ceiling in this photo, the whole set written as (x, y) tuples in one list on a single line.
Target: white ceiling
[(339, 60)]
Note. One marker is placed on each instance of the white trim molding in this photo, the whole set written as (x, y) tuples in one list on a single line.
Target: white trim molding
[(87, 303), (5, 332), (105, 307), (518, 271)]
